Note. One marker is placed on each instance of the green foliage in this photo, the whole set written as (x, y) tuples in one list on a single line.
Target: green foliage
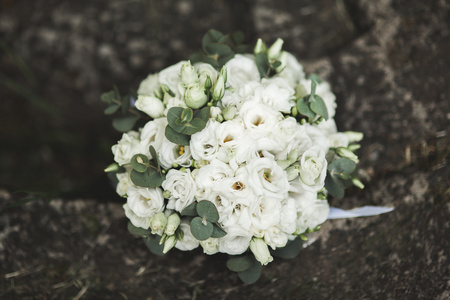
[(152, 242), (218, 49), (291, 250), (139, 162), (190, 210), (312, 105), (208, 211), (252, 274), (266, 68), (339, 176), (137, 230), (239, 263), (147, 173), (218, 232), (184, 122), (201, 229)]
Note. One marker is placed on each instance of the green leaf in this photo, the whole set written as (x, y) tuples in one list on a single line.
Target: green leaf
[(174, 118), (139, 162), (138, 230), (333, 188), (154, 156), (218, 49), (291, 250), (194, 126), (190, 210), (237, 37), (208, 210), (318, 106), (276, 64), (212, 36), (252, 274), (342, 165), (177, 138), (315, 77), (303, 108), (149, 179), (152, 242), (125, 124), (239, 263), (111, 109), (262, 63), (186, 115), (218, 232), (202, 114), (313, 90), (201, 231), (109, 97)]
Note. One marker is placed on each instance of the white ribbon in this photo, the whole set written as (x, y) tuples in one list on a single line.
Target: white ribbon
[(365, 211)]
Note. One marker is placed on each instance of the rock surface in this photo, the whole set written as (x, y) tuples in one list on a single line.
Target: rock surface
[(387, 62)]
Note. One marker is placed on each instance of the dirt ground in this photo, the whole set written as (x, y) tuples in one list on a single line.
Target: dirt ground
[(387, 62)]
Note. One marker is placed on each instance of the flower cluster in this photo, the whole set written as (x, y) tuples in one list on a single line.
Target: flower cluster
[(237, 159)]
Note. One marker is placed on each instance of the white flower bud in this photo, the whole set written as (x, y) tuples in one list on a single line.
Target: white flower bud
[(261, 251), (260, 47), (195, 96), (150, 105), (275, 50), (158, 223), (169, 244), (354, 136), (219, 88), (292, 173), (188, 74), (173, 221), (229, 113), (344, 152)]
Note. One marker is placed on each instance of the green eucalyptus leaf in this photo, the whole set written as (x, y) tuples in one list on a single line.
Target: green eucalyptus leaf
[(125, 104), (176, 137), (252, 274), (112, 108), (276, 64), (225, 58), (203, 113), (138, 230), (174, 118), (262, 63), (237, 37), (201, 230), (194, 126), (212, 36), (291, 250), (239, 263), (190, 210), (149, 179), (125, 124), (315, 77), (218, 232), (304, 109), (335, 189), (318, 106), (152, 242), (342, 165), (139, 162), (208, 210), (186, 115), (218, 49), (109, 97), (154, 156), (313, 90)]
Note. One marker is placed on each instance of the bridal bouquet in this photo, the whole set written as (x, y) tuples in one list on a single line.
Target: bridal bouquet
[(231, 152)]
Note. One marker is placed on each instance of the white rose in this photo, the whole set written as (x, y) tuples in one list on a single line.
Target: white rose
[(150, 105), (210, 246), (276, 93), (182, 187), (142, 222), (241, 70), (255, 148), (240, 96), (124, 183), (204, 144), (127, 147), (288, 216), (231, 136), (259, 118), (318, 136), (311, 212), (265, 212), (171, 77), (236, 241), (275, 238), (211, 175), (292, 70), (174, 102), (313, 169), (205, 70), (153, 134), (145, 202), (290, 135), (267, 178), (149, 85), (189, 242), (171, 153)]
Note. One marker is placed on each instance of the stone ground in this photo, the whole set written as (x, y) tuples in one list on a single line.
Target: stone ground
[(387, 62)]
